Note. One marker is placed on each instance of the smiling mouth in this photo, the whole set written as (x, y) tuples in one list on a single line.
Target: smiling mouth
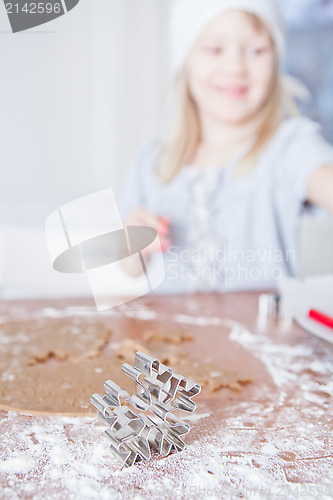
[(233, 91)]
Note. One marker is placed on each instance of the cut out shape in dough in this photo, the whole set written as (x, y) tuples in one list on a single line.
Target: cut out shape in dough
[(53, 365)]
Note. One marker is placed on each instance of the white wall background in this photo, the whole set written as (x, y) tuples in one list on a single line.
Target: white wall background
[(78, 96)]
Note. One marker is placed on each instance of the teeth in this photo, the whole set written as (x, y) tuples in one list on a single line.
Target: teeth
[(233, 89)]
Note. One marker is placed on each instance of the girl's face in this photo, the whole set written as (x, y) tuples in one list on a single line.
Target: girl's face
[(231, 68)]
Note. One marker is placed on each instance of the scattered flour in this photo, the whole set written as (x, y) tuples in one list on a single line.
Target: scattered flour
[(258, 450)]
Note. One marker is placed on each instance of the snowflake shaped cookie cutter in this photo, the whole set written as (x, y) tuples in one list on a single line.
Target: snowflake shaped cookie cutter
[(151, 425)]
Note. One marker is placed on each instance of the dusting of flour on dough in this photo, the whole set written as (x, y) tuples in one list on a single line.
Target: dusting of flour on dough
[(257, 450), (279, 448)]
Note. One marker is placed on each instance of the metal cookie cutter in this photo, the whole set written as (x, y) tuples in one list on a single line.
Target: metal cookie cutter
[(269, 306), (159, 391)]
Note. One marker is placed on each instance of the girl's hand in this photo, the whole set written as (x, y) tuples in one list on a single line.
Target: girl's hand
[(140, 216)]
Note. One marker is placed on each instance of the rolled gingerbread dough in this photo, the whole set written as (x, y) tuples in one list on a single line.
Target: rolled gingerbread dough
[(53, 365)]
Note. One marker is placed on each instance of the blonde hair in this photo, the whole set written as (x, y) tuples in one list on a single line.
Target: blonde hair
[(183, 137)]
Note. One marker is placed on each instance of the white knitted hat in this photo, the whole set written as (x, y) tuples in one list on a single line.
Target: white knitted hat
[(190, 17)]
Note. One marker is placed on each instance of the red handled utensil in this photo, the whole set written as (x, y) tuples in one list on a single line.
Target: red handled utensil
[(321, 318)]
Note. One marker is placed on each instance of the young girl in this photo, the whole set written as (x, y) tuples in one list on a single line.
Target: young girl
[(226, 187)]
